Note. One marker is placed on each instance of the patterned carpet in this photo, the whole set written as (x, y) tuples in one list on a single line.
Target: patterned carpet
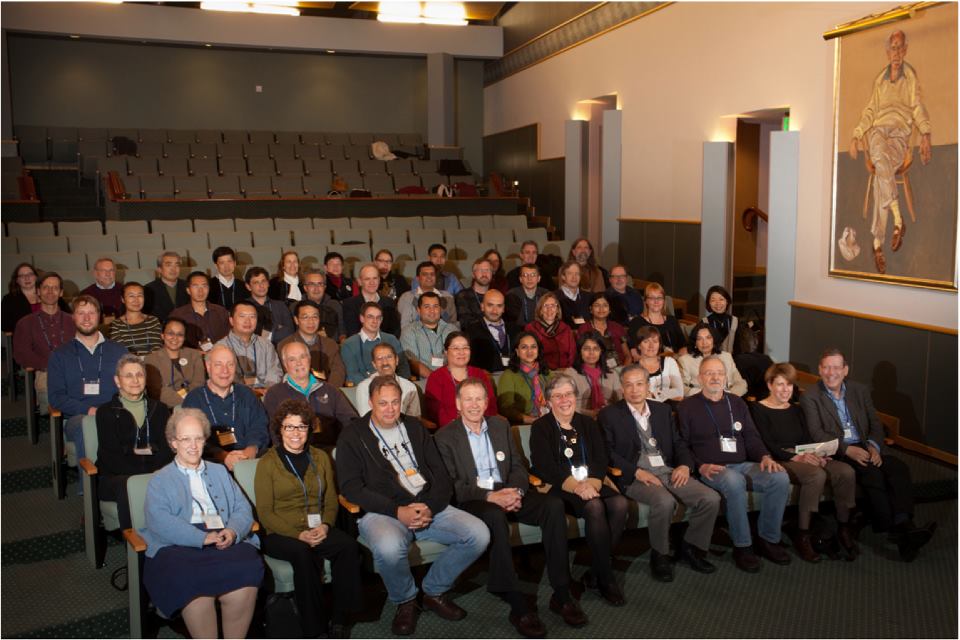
[(50, 590)]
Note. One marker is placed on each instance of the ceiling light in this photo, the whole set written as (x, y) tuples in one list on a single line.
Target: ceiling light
[(444, 11), (437, 13), (74, 37), (250, 7), (331, 51)]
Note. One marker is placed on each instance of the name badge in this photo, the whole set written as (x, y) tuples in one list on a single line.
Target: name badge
[(847, 433), (142, 451), (206, 346), (91, 388), (656, 460), (182, 392), (579, 473), (412, 481), (728, 445), (226, 438), (578, 320), (313, 520), (436, 362), (485, 483), (612, 362), (213, 521), (505, 360)]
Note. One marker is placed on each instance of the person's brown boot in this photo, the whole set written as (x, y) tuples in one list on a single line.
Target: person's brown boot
[(405, 619), (848, 542), (803, 543), (570, 611)]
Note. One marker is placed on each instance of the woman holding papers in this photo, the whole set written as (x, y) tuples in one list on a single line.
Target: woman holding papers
[(782, 427)]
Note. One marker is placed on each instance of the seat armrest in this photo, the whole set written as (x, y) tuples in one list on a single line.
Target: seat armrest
[(346, 504), (255, 527), (88, 467), (55, 413), (133, 539), (614, 471), (534, 480)]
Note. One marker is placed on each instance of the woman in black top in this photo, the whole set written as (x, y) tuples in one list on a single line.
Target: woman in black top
[(130, 433), (285, 284), (672, 339), (782, 426), (22, 298), (568, 451)]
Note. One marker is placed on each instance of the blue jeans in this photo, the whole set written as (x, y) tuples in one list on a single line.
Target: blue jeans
[(734, 482), (465, 535)]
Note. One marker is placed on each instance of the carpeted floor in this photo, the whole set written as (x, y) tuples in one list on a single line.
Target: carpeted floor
[(50, 590)]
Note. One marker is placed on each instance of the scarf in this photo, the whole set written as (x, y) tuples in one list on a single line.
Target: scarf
[(593, 375), (720, 322), (293, 292), (550, 330), (532, 374)]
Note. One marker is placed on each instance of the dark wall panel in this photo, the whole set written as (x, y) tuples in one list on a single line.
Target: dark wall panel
[(812, 331), (687, 260), (665, 252), (940, 403)]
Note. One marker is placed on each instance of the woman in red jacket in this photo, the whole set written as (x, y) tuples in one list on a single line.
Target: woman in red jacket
[(556, 336), (441, 393)]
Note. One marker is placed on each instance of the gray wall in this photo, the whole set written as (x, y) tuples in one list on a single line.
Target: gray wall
[(664, 252), (469, 111), (912, 373)]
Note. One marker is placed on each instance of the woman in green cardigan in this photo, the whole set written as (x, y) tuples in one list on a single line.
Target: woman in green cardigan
[(297, 506), (520, 396)]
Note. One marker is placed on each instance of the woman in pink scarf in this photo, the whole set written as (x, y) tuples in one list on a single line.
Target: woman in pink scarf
[(597, 384)]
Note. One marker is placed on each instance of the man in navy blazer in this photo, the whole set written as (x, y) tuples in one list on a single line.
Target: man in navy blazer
[(646, 446)]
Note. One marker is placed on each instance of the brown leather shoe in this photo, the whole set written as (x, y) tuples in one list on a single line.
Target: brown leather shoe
[(899, 230), (803, 543), (612, 594), (405, 619), (773, 552), (847, 540), (879, 260), (570, 611), (746, 559), (528, 625), (443, 607)]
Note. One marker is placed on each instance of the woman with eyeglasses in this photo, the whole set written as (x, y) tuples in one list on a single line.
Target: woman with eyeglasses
[(703, 342), (134, 329), (200, 551), (23, 297), (297, 506), (568, 451), (654, 315), (440, 395), (130, 433), (616, 353), (173, 370), (556, 337)]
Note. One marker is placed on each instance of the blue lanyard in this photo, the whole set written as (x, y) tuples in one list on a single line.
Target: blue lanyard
[(706, 403), (403, 443), (99, 363), (306, 499), (253, 343), (563, 441), (213, 416)]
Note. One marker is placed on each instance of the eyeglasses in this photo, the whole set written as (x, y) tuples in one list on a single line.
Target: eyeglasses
[(302, 428), (191, 440), (655, 298), (563, 396), (134, 375)]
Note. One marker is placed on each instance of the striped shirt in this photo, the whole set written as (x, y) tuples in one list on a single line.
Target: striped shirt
[(139, 339)]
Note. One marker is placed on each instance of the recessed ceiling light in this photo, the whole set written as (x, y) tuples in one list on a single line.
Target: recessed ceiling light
[(331, 51), (74, 37)]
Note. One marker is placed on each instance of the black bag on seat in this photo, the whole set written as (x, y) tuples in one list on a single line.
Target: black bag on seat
[(281, 617)]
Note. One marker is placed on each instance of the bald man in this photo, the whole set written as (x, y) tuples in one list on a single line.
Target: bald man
[(491, 339)]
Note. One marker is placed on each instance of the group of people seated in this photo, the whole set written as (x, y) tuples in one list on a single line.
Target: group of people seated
[(188, 378)]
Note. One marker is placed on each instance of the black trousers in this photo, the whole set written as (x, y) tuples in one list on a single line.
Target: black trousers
[(542, 510), (344, 555), (114, 488), (605, 518), (888, 488)]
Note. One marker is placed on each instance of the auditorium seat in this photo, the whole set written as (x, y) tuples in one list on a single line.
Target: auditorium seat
[(63, 144), (410, 139), (380, 237), (360, 139), (510, 221), (432, 235), (288, 186), (337, 138), (142, 166), (263, 167), (142, 276), (215, 225), (231, 239), (254, 224), (404, 222), (465, 179), (467, 252), (333, 152), (352, 254), (10, 186), (305, 151), (477, 221), (203, 150), (260, 137), (313, 138), (85, 134), (537, 234), (508, 249), (173, 167), (126, 260), (432, 180), (392, 139), (162, 226), (234, 137), (496, 236), (440, 222), (423, 166), (209, 136), (202, 167), (152, 242), (156, 187), (153, 136), (74, 282), (283, 151), (317, 184), (8, 245), (317, 166), (353, 180), (293, 224), (462, 236), (150, 150), (373, 167), (273, 239), (226, 150), (256, 186), (344, 236), (59, 261), (32, 143), (84, 228), (181, 241), (287, 137), (402, 252), (112, 163), (127, 226), (43, 244), (311, 255), (225, 186), (378, 185), (131, 134), (292, 167), (312, 236), (9, 260), (559, 248), (181, 136), (266, 257), (190, 187), (251, 150), (345, 167), (357, 151), (92, 244), (401, 180), (368, 223), (179, 150)]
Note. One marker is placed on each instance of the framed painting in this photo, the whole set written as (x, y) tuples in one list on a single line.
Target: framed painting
[(894, 204)]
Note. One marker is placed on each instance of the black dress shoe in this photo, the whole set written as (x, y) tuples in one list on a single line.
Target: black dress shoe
[(528, 625), (612, 594), (570, 611), (746, 559), (910, 543), (405, 619), (848, 542), (338, 630), (696, 559), (773, 552), (661, 566), (443, 607)]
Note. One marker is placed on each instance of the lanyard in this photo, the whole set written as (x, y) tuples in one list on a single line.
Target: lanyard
[(213, 416), (43, 330), (146, 421), (563, 438), (437, 346), (173, 369), (99, 362), (306, 500), (223, 298), (253, 343), (403, 443), (706, 403)]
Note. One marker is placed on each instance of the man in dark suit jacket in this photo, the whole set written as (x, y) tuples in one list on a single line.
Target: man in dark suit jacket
[(655, 465), (522, 300), (369, 291), (486, 351), (388, 464), (841, 409), (157, 294), (490, 481)]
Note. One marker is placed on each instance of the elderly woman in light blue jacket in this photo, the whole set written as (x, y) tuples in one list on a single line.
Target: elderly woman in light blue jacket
[(199, 547)]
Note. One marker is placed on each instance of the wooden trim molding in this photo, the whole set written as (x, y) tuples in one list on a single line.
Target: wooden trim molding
[(658, 220), (866, 316)]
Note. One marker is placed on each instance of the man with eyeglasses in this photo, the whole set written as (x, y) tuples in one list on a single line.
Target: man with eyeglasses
[(105, 289), (521, 300), (368, 290), (388, 464), (730, 456), (238, 419), (205, 321), (168, 290), (273, 317), (357, 350), (333, 409), (325, 360), (423, 339), (530, 255), (80, 372), (385, 361), (39, 334), (392, 284), (331, 312), (626, 303), (257, 363), (426, 280)]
